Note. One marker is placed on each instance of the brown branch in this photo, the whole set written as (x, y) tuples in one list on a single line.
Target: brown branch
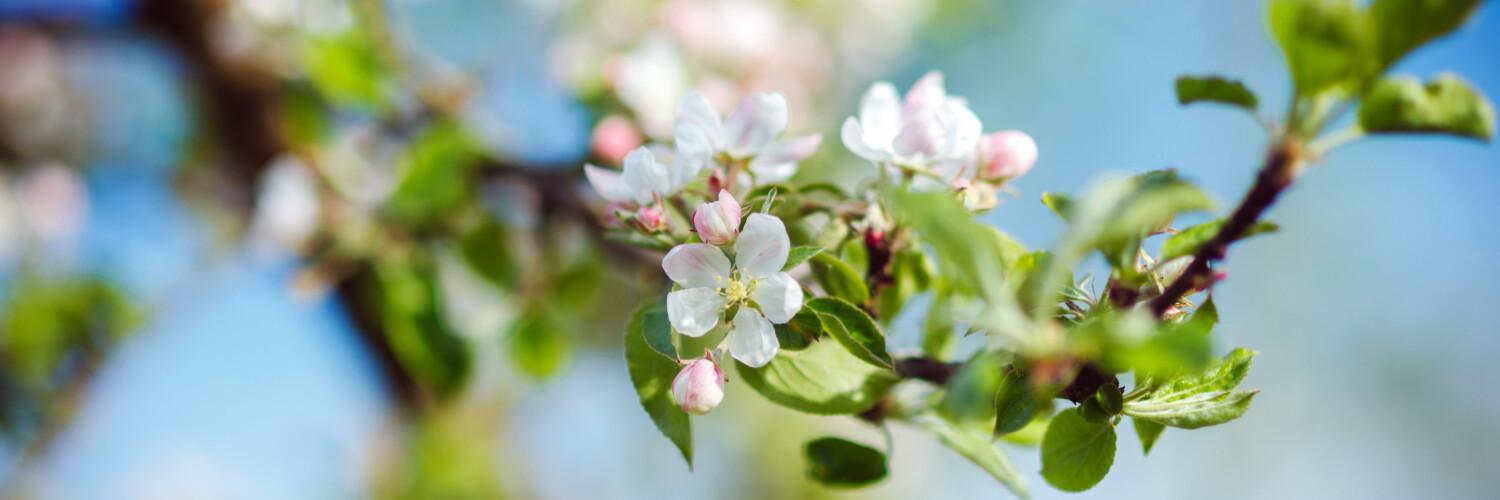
[(1274, 177)]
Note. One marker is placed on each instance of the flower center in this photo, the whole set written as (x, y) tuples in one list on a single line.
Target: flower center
[(737, 290)]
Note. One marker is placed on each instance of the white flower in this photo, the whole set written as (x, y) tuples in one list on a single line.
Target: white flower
[(749, 134), (286, 208), (650, 171), (718, 223), (755, 284), (699, 387), (930, 129)]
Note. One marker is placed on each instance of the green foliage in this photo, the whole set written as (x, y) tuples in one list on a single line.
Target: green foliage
[(839, 279), (838, 462), (1147, 431), (937, 327), (972, 265), (1194, 400), (1077, 453), (487, 249), (850, 326), (1328, 44), (436, 169), (652, 375), (804, 329), (346, 69), (422, 340), (1446, 105), (823, 379), (536, 343), (971, 395), (1404, 25), (1015, 403), (975, 445), (800, 254), (1192, 89), (1187, 241), (47, 322)]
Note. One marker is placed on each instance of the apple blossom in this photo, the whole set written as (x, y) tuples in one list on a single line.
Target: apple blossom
[(747, 135), (930, 129), (649, 172), (614, 137), (650, 218), (754, 287), (699, 387), (718, 223), (1006, 155)]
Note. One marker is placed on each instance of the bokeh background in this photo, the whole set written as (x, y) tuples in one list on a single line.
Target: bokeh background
[(232, 366)]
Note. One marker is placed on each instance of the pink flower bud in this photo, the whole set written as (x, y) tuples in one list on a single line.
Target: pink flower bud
[(718, 223), (613, 138), (699, 387), (1007, 154), (650, 218)]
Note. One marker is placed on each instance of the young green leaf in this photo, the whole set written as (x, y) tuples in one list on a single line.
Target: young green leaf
[(838, 462), (1188, 240), (652, 375), (537, 346), (1147, 431), (1191, 89), (1404, 25), (937, 327), (975, 445), (1060, 204), (839, 279), (1015, 403), (1077, 453), (804, 329), (823, 379), (1446, 105), (852, 328), (799, 255), (970, 398), (1197, 400), (658, 331), (1327, 43)]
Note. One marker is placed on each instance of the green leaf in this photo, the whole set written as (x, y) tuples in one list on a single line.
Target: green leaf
[(1191, 89), (436, 173), (1329, 44), (970, 396), (1015, 403), (911, 272), (839, 279), (937, 327), (346, 69), (1447, 105), (804, 329), (837, 462), (854, 329), (537, 346), (487, 250), (652, 375), (1060, 204), (420, 337), (1197, 400), (823, 379), (1076, 453), (657, 328), (799, 255), (1187, 241), (1404, 25), (972, 264), (975, 445), (1147, 431)]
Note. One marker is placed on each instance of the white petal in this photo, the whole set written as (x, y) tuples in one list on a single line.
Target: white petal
[(778, 161), (963, 129), (644, 176), (694, 311), (753, 339), (779, 297), (694, 112), (880, 115), (853, 136), (763, 246), (755, 122), (922, 136), (695, 265), (927, 95), (608, 183)]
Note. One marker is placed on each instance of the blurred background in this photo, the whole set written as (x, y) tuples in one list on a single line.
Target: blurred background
[(311, 249)]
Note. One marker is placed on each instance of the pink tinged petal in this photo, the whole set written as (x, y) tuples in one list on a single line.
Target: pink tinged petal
[(779, 297), (755, 122), (879, 116), (854, 138), (694, 144), (922, 137), (778, 162), (926, 95), (1008, 154), (753, 339), (699, 387), (763, 246), (694, 112), (962, 128), (718, 223), (696, 265), (608, 184), (695, 311), (644, 176)]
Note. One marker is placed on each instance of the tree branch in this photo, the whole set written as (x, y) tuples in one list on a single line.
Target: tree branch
[(1274, 177)]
